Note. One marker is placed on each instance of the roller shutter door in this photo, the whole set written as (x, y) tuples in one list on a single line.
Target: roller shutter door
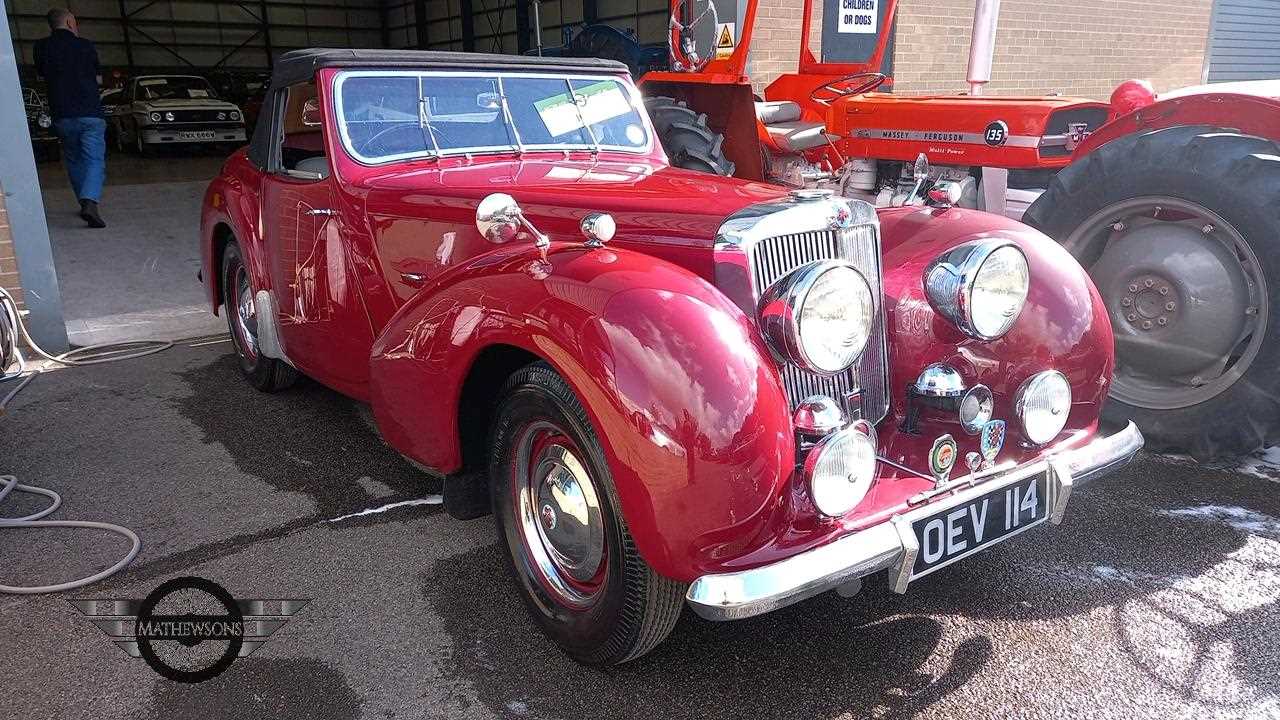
[(1244, 40)]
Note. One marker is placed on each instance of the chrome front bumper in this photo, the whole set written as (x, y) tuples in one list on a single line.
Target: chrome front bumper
[(892, 544)]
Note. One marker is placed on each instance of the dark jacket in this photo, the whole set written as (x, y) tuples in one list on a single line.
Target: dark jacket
[(69, 65)]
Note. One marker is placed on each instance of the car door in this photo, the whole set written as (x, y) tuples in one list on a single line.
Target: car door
[(323, 326)]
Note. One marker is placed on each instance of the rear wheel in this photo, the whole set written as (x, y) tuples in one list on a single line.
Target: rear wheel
[(685, 136), (264, 373), (1178, 229), (558, 516)]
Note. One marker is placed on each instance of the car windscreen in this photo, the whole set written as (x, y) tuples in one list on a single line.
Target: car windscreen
[(174, 88), (394, 115)]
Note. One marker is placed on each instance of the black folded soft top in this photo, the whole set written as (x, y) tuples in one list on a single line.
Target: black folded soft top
[(301, 65)]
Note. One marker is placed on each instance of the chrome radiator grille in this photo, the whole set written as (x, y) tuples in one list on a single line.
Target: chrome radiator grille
[(774, 257)]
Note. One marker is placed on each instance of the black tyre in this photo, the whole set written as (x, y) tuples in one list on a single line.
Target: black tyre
[(684, 135), (264, 373), (571, 553), (1179, 230)]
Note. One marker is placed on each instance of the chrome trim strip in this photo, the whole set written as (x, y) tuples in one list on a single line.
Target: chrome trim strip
[(891, 544), (942, 136)]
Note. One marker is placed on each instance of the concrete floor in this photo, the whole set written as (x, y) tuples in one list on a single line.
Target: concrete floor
[(1159, 597), (137, 277)]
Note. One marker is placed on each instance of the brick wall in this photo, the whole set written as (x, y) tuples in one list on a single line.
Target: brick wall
[(1080, 48), (8, 261)]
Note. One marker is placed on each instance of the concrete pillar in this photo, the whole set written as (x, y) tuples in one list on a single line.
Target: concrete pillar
[(25, 208)]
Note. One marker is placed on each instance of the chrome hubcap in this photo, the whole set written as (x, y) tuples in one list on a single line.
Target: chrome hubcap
[(559, 516), (246, 314), (1186, 296)]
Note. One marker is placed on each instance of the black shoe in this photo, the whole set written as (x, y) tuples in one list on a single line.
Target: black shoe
[(89, 213)]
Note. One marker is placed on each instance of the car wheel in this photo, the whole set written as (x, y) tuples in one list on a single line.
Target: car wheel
[(264, 373), (684, 135), (1182, 255), (558, 516)]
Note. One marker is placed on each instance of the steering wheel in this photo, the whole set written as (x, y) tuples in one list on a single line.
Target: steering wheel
[(419, 133), (866, 82), (682, 47)]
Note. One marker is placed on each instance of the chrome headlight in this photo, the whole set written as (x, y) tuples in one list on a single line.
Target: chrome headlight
[(235, 114), (980, 286), (840, 469), (155, 117), (818, 316), (168, 116), (1042, 406)]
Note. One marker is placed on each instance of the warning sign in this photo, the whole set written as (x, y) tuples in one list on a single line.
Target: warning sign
[(725, 42), (857, 16)]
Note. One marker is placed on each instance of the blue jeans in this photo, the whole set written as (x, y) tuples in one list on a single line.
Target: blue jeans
[(84, 149)]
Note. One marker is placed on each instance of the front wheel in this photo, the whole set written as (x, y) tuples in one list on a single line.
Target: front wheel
[(558, 515), (1178, 229)]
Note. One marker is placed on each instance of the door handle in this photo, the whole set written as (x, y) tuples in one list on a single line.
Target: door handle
[(415, 279), (321, 211)]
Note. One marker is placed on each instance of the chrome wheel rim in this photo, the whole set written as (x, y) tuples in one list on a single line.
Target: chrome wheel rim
[(559, 517), (246, 318), (1186, 295)]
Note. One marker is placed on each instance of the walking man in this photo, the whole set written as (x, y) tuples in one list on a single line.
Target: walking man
[(69, 65)]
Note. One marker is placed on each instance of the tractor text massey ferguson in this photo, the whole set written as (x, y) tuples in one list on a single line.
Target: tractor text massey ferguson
[(1169, 201)]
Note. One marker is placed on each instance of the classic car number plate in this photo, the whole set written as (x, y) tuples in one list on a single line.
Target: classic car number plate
[(961, 530), (196, 135)]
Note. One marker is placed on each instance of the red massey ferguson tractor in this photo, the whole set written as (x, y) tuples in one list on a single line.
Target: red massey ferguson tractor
[(1171, 202)]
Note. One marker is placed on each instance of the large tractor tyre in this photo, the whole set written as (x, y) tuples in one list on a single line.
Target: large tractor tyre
[(684, 134), (559, 517), (1180, 231), (264, 373)]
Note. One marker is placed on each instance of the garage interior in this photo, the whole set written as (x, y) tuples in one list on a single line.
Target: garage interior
[(137, 278)]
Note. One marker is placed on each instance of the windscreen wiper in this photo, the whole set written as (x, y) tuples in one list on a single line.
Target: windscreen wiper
[(424, 123), (573, 98)]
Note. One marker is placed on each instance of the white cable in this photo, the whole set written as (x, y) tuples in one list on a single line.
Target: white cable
[(33, 521), (88, 355)]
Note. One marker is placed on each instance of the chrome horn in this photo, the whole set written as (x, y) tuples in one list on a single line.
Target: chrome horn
[(500, 219)]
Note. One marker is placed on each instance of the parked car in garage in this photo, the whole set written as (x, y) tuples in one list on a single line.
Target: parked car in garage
[(44, 142), (671, 388), (174, 110)]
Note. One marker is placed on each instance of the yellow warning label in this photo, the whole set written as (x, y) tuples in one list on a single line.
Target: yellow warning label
[(724, 40)]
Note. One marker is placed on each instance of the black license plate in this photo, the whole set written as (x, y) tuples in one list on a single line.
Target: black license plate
[(961, 530)]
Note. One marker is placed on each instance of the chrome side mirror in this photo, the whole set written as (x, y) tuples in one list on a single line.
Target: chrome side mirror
[(921, 169), (500, 219)]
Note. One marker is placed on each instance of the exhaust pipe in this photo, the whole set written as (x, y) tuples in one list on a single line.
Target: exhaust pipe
[(982, 43)]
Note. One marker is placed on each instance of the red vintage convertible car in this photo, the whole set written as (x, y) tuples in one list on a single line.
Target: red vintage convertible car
[(674, 388)]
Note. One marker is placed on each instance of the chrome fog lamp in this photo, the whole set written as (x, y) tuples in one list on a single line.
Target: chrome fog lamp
[(1042, 406), (976, 408), (819, 316), (817, 416), (598, 229), (155, 117), (841, 468), (939, 380), (980, 286)]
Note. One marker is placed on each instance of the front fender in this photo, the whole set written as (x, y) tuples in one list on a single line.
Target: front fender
[(1064, 324), (688, 406)]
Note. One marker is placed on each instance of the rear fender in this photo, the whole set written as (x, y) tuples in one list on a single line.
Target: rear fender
[(1247, 114), (686, 403)]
